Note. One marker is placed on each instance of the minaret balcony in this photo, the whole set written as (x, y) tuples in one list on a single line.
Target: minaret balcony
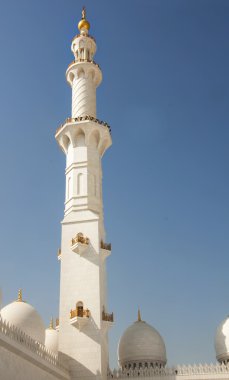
[(79, 317), (80, 244), (107, 319), (78, 119), (105, 249)]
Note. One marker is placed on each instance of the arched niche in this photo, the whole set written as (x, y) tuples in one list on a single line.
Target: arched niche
[(79, 309), (65, 142), (94, 139), (79, 138)]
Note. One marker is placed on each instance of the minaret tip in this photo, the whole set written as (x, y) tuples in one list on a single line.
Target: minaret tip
[(139, 315), (19, 297)]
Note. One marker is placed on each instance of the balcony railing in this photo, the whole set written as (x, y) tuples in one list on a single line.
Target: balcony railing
[(107, 317), (82, 313), (88, 36), (80, 238), (83, 118), (106, 246), (83, 60)]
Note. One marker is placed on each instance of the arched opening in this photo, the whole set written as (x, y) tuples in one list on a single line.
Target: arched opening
[(94, 139), (79, 309), (65, 143), (79, 138)]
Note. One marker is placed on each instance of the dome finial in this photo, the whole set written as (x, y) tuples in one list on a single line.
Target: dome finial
[(84, 25), (84, 13), (51, 324), (19, 297), (139, 315)]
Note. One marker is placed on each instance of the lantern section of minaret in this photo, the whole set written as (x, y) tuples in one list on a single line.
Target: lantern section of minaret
[(83, 316)]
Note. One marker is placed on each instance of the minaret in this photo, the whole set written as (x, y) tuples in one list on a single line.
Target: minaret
[(83, 319)]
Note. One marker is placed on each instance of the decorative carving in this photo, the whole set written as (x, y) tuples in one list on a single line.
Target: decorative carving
[(106, 246), (80, 238)]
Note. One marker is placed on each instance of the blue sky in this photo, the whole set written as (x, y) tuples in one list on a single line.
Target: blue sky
[(165, 93)]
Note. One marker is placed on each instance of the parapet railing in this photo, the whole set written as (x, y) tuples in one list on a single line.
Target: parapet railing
[(83, 118), (107, 317), (106, 246), (16, 335), (200, 369), (80, 238), (84, 60), (83, 313), (88, 36)]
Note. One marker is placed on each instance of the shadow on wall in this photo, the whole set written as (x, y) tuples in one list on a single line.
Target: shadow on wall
[(77, 370)]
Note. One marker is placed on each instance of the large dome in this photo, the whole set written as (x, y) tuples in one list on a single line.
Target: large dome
[(141, 344), (222, 341), (26, 318)]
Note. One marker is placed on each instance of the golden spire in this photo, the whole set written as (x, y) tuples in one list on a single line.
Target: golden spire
[(84, 25), (84, 13), (139, 315), (19, 297), (51, 324)]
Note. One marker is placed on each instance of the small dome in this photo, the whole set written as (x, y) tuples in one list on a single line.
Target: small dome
[(51, 338), (141, 344), (83, 24), (25, 317), (222, 341)]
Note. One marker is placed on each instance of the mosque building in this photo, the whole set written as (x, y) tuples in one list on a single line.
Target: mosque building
[(76, 346)]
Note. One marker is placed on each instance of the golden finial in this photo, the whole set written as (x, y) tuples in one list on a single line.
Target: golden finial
[(139, 315), (84, 25), (19, 297), (84, 13), (51, 324)]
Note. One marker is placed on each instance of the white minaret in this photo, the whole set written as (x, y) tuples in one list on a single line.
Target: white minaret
[(83, 319)]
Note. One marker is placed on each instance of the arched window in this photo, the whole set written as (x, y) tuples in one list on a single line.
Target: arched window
[(79, 309)]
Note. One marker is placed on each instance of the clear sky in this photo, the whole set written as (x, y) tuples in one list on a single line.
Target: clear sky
[(165, 93)]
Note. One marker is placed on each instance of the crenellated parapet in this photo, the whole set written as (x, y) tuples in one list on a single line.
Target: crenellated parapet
[(206, 371), (19, 337)]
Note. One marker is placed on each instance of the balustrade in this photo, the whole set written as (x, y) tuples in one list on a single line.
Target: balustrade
[(84, 118), (80, 312), (15, 334), (107, 317), (106, 246), (80, 238)]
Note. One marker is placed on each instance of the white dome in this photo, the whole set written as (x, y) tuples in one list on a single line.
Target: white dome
[(51, 340), (141, 343), (26, 318), (222, 341)]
